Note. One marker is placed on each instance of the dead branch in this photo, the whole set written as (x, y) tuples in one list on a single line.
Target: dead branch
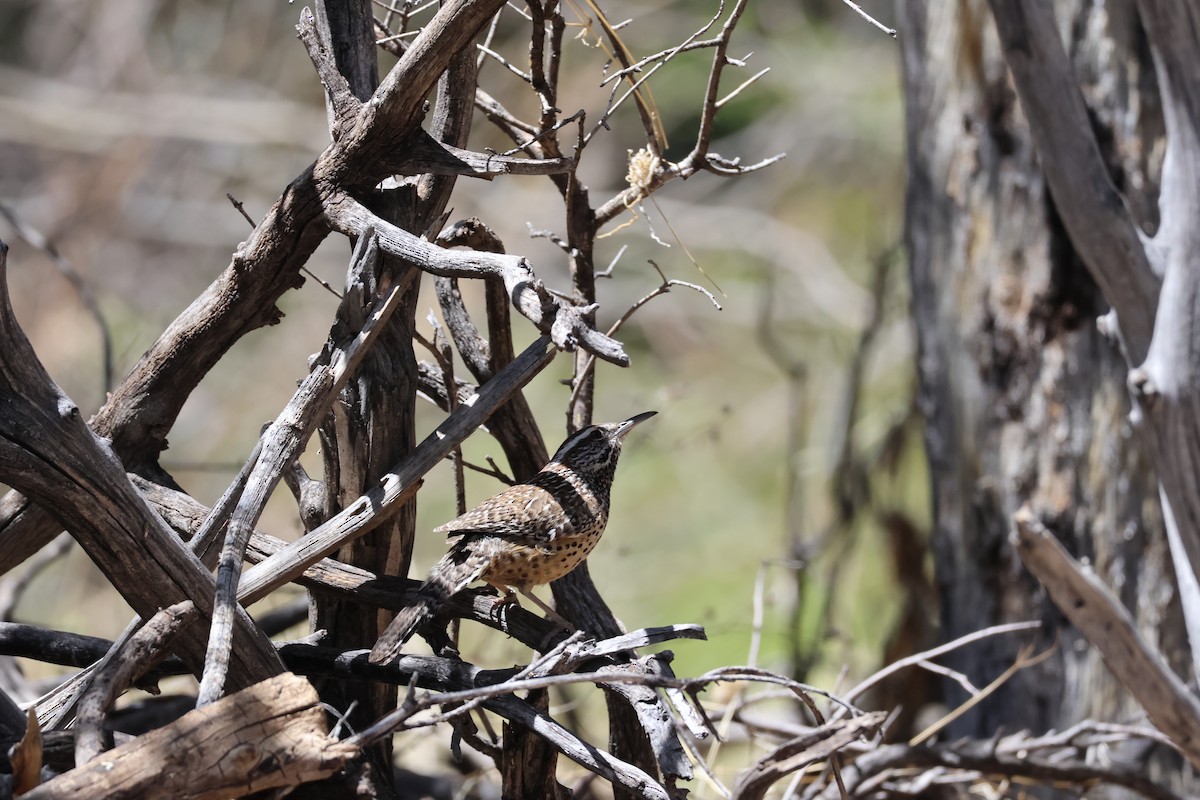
[(398, 485), (920, 659), (138, 655), (283, 441), (51, 456), (914, 770), (1101, 618), (143, 407), (566, 324), (272, 734)]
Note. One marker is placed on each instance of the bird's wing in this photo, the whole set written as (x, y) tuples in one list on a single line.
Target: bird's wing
[(522, 512)]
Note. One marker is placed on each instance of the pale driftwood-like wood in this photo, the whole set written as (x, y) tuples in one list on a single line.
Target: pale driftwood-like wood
[(399, 485), (1167, 384), (141, 652), (567, 324), (1089, 605), (50, 455), (270, 735), (283, 441)]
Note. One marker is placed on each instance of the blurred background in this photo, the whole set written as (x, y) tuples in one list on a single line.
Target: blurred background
[(773, 498)]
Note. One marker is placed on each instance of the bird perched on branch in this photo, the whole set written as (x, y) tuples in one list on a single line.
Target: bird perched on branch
[(530, 534)]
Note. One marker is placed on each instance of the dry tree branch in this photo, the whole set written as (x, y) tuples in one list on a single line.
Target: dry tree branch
[(53, 458), (908, 771), (138, 655), (857, 9), (399, 485), (821, 744), (1024, 660), (566, 324), (266, 265), (656, 136), (342, 104), (440, 348), (699, 158), (1091, 608), (270, 735), (283, 441)]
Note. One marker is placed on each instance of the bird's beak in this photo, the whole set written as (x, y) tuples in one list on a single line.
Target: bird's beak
[(632, 423)]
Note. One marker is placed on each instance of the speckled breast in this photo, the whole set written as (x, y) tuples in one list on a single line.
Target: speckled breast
[(523, 566)]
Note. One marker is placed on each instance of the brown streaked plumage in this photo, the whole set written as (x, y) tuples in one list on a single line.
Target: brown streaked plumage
[(530, 534)]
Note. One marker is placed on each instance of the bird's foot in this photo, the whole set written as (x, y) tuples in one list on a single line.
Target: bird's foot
[(506, 600)]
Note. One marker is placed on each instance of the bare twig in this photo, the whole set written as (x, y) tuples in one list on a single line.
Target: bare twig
[(1024, 660), (857, 9), (917, 658)]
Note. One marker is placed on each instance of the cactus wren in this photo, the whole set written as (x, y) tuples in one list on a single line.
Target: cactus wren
[(529, 534)]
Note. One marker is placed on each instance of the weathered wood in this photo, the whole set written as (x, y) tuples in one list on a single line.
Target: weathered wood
[(1102, 230), (282, 443), (1091, 607), (270, 735), (399, 485), (49, 454), (141, 652), (1023, 398), (143, 407), (1151, 282), (973, 758), (569, 325)]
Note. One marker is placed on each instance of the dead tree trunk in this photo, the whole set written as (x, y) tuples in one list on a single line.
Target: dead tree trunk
[(1025, 397)]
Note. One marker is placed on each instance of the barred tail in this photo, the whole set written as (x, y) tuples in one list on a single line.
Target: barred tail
[(452, 574)]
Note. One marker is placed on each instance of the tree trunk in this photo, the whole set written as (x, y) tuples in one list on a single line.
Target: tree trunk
[(1025, 400)]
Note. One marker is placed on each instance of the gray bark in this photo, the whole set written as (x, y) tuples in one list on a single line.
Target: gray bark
[(1025, 399)]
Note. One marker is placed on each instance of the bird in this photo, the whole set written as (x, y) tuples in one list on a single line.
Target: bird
[(530, 534)]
